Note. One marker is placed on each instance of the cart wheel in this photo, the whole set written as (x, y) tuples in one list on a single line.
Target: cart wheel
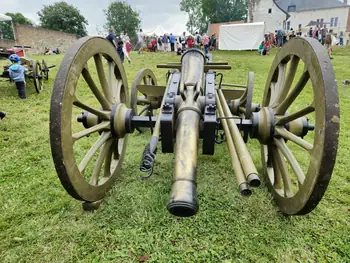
[(89, 160), (144, 77), (37, 76), (45, 70), (300, 90), (246, 103)]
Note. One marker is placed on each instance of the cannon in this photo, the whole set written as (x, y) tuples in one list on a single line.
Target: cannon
[(37, 72), (296, 125)]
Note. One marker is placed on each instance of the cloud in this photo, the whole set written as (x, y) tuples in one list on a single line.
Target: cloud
[(152, 12)]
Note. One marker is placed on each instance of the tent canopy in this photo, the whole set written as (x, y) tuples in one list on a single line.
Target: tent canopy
[(5, 18), (246, 36), (158, 31)]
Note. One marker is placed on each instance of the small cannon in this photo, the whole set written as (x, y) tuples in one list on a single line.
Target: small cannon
[(297, 124), (37, 72)]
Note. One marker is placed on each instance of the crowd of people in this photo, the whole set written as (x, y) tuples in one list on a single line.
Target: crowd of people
[(279, 38), (171, 43)]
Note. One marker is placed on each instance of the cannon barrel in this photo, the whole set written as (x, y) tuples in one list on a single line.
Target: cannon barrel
[(183, 199)]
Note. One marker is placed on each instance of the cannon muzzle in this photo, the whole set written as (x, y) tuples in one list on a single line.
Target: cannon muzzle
[(183, 199)]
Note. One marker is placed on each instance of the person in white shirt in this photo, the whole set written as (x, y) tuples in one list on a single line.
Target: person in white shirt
[(141, 41), (124, 37)]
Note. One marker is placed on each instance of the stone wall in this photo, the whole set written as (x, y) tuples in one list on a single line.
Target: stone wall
[(39, 38), (7, 43)]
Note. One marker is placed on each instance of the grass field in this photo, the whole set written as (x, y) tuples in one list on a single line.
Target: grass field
[(40, 222)]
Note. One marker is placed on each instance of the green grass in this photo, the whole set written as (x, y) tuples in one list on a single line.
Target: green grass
[(40, 222)]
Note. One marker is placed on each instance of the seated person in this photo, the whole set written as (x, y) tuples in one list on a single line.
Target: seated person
[(261, 48)]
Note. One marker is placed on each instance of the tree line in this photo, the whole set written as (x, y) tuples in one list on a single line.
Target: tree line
[(63, 17), (203, 12)]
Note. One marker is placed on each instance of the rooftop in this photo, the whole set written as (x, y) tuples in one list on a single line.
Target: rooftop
[(303, 5)]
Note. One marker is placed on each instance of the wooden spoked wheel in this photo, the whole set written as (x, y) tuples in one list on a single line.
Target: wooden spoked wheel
[(88, 160), (37, 76), (300, 87), (45, 70), (144, 77)]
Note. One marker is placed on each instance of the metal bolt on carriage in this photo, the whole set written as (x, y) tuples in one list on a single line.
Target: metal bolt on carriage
[(296, 124)]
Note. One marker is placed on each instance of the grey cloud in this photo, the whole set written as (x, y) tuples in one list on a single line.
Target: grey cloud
[(153, 12)]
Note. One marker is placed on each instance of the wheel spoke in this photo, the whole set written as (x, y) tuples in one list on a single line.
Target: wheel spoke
[(118, 86), (102, 114), (301, 113), (282, 108), (108, 162), (105, 104), (277, 184), (104, 126), (98, 165), (281, 145), (293, 138), (88, 157), (287, 183), (290, 78), (102, 77)]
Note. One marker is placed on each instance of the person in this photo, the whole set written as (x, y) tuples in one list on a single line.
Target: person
[(165, 43), (341, 38), (154, 44), (261, 48), (267, 47), (183, 41), (190, 42), (300, 33), (279, 36), (206, 43), (160, 44), (112, 37), (140, 41), (198, 40), (2, 115), (172, 42), (324, 33), (310, 32), (123, 37), (328, 43), (17, 75), (127, 47), (120, 50), (291, 36)]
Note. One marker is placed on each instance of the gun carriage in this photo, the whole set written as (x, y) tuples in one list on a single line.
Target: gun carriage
[(298, 141)]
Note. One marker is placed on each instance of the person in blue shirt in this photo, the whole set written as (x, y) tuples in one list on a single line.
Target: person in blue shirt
[(112, 37), (17, 75), (172, 42), (120, 50)]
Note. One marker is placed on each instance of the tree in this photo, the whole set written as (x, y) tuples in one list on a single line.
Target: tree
[(63, 17), (121, 17), (17, 18), (196, 19), (203, 12)]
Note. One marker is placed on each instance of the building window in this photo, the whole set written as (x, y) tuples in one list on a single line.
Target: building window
[(332, 21), (299, 26), (292, 8), (336, 22), (288, 25), (270, 10)]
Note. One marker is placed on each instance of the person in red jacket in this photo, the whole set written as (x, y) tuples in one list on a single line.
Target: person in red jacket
[(190, 42)]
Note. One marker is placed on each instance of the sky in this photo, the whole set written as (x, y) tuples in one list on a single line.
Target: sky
[(152, 12)]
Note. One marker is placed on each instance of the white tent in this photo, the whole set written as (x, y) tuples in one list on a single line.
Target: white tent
[(246, 36), (158, 31), (5, 18)]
